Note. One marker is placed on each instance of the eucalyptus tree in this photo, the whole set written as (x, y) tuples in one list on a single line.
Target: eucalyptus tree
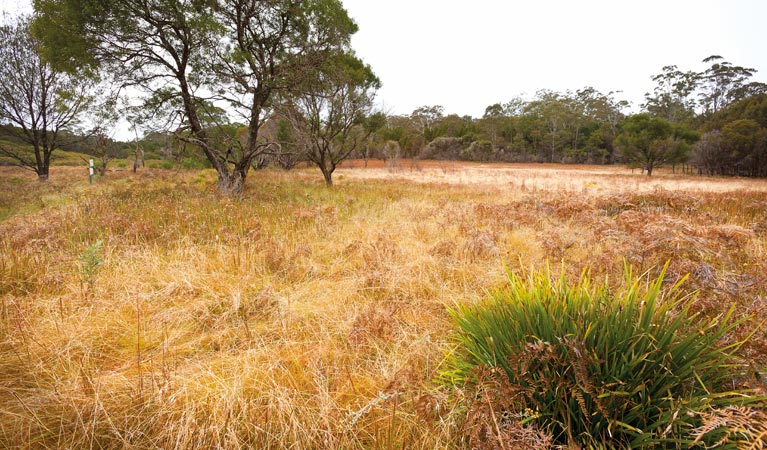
[(273, 48), (427, 120), (709, 154), (724, 83), (603, 114), (493, 120), (556, 113), (41, 104), (651, 142), (746, 145), (672, 98), (334, 114), (190, 55)]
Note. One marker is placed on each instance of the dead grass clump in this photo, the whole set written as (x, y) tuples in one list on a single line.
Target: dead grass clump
[(274, 254), (612, 205), (236, 310), (655, 238), (23, 272), (706, 278), (760, 228), (376, 321), (558, 241), (743, 426), (444, 248), (377, 258), (732, 235), (500, 215), (384, 248), (568, 207), (632, 220), (480, 245), (375, 279)]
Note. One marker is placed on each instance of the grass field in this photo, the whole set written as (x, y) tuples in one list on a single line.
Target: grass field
[(146, 311)]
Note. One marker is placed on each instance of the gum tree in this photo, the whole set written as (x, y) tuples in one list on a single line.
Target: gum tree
[(333, 116), (672, 97), (724, 83), (38, 103), (651, 142)]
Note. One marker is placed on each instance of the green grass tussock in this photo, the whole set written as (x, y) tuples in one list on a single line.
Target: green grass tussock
[(593, 366)]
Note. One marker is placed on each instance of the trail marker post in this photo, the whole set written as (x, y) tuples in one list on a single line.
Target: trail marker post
[(90, 172)]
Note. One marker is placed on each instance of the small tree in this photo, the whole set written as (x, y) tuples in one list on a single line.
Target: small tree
[(37, 101), (651, 142), (333, 115), (101, 147), (723, 84)]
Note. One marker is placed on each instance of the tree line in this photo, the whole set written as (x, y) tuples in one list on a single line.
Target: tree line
[(238, 84), (713, 121)]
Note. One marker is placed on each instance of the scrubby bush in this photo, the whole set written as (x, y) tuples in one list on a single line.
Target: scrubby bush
[(478, 151), (194, 163), (596, 368), (443, 148)]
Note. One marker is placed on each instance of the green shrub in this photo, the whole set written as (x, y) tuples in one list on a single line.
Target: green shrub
[(192, 163), (600, 369)]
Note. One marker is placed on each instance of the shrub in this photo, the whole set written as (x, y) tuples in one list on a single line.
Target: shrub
[(597, 369), (193, 163), (478, 151), (443, 148)]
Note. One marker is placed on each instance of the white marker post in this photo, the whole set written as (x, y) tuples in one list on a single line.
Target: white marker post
[(90, 172)]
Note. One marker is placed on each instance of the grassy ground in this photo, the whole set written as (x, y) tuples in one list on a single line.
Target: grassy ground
[(145, 311)]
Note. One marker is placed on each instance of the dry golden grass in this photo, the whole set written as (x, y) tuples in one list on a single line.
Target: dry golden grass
[(306, 317), (578, 179)]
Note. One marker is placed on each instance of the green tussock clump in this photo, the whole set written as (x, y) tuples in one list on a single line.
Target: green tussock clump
[(596, 368)]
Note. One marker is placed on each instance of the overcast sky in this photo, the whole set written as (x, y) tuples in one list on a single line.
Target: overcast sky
[(466, 55)]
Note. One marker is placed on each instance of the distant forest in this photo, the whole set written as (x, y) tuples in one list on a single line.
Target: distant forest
[(714, 122)]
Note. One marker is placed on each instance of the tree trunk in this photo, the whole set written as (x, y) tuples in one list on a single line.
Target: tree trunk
[(328, 174), (649, 170), (231, 184), (43, 159)]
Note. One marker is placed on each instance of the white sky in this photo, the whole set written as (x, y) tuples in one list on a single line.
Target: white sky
[(466, 55)]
